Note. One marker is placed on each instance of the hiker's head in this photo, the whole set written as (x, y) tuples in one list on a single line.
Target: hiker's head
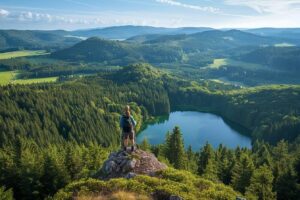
[(127, 110)]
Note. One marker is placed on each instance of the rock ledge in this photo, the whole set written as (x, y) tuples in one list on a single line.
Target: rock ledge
[(128, 164)]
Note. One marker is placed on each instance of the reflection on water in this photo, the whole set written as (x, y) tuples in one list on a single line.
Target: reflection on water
[(197, 128)]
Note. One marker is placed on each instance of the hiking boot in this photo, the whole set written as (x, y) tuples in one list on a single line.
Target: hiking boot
[(132, 148), (124, 148)]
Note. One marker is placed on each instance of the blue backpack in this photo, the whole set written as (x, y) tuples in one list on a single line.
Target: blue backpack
[(127, 124)]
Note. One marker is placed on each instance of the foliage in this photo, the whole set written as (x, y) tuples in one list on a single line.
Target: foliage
[(171, 182), (52, 134), (145, 145), (242, 172), (6, 194), (174, 149), (261, 184), (35, 172)]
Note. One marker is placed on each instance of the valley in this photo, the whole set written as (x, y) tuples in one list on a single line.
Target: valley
[(61, 99)]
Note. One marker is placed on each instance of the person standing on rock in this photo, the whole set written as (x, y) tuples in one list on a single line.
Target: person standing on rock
[(127, 124)]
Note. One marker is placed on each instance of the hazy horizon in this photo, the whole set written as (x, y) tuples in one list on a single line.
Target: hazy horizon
[(179, 27), (79, 14)]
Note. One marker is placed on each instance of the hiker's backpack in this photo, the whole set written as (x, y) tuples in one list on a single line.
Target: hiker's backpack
[(127, 124)]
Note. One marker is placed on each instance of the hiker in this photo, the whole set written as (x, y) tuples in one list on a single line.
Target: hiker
[(127, 124)]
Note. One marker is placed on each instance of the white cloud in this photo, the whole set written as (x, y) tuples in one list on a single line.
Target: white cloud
[(3, 13), (194, 7), (267, 6), (32, 16)]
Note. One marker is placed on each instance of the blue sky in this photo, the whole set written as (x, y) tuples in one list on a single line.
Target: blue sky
[(78, 14)]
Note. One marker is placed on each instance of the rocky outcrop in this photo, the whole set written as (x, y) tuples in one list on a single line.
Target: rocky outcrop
[(128, 164)]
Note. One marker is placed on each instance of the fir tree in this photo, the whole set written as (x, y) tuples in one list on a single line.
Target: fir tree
[(191, 160), (145, 145), (261, 184), (206, 163), (242, 172), (175, 149)]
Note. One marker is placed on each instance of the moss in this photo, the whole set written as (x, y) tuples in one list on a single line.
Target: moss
[(167, 182)]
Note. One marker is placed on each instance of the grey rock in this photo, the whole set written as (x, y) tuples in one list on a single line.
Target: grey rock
[(131, 163), (110, 166), (130, 175), (121, 164), (112, 155), (174, 197)]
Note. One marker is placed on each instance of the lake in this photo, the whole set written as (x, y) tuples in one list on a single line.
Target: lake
[(197, 128)]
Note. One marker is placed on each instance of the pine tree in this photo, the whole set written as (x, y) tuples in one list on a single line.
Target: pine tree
[(55, 174), (73, 162), (286, 185), (297, 167), (175, 152), (167, 146), (225, 162), (178, 149), (145, 145), (263, 156), (191, 160), (241, 173), (261, 184), (206, 163)]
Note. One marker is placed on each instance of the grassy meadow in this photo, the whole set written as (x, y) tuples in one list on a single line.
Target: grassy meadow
[(21, 53), (7, 76), (11, 77), (218, 63)]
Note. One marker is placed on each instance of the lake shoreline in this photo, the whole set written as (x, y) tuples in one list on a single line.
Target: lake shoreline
[(208, 131)]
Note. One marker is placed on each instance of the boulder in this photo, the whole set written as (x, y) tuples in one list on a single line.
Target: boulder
[(128, 164)]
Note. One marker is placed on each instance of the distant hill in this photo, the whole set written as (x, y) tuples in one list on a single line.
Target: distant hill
[(290, 33), (125, 32), (215, 40), (191, 36), (209, 39), (30, 39), (283, 58), (193, 49), (117, 52)]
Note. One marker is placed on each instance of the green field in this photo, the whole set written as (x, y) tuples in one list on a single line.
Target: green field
[(35, 80), (22, 53), (11, 77), (7, 76), (217, 63)]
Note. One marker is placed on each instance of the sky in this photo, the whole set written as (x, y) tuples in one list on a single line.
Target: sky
[(82, 14)]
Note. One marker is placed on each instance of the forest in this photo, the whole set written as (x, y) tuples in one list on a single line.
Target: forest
[(56, 133)]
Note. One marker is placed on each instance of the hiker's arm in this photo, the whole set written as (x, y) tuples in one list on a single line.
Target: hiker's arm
[(133, 121)]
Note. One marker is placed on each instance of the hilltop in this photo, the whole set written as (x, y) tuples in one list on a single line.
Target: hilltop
[(138, 175), (164, 48), (33, 39)]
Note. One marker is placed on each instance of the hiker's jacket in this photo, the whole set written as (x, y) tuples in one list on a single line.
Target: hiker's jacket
[(122, 118)]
